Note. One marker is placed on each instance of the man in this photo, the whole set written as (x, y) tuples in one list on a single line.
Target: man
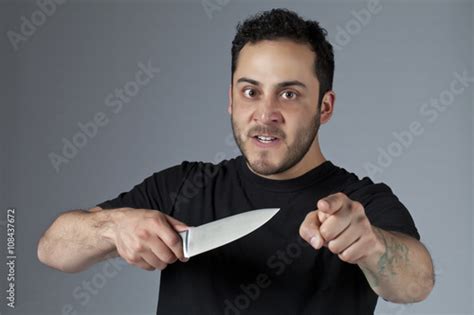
[(338, 241)]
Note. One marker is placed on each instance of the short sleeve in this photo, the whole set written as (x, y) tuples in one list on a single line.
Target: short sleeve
[(382, 207), (156, 192)]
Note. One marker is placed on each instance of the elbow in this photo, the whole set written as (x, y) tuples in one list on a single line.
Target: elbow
[(423, 281), (417, 294), (41, 251), (426, 282), (417, 291), (49, 254), (45, 256), (425, 288)]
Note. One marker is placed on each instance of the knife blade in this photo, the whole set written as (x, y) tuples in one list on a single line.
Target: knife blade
[(202, 238)]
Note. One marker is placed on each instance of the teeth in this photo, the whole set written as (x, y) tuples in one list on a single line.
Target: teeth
[(265, 139)]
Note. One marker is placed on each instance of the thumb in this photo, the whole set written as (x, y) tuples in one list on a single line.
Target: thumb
[(309, 230)]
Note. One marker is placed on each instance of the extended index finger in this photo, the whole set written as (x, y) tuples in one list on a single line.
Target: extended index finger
[(332, 203)]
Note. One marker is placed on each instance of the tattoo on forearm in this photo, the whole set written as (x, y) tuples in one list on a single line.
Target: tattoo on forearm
[(371, 278), (395, 256)]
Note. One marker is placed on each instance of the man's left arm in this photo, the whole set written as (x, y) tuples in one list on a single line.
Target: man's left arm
[(397, 267)]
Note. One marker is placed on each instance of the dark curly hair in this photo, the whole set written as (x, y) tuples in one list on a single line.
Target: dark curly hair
[(285, 24)]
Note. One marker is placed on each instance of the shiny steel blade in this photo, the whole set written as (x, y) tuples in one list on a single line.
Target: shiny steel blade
[(214, 234)]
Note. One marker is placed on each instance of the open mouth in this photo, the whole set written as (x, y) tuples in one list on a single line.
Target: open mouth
[(265, 139)]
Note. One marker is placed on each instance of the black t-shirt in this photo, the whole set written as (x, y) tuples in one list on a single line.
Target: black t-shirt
[(271, 270)]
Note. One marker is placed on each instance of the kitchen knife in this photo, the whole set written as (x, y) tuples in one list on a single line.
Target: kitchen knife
[(200, 239)]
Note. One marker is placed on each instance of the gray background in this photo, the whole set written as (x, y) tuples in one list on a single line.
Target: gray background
[(402, 58)]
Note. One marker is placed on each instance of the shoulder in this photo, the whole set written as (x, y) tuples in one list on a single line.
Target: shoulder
[(360, 188), (383, 208)]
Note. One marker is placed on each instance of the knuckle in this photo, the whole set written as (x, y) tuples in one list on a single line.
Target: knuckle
[(333, 247), (360, 219), (365, 223), (344, 256), (157, 220), (347, 257), (305, 231), (138, 247), (174, 239), (143, 234), (162, 266), (133, 259), (169, 258), (357, 207), (325, 233)]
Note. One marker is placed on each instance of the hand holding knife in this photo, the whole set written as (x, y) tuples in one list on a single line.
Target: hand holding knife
[(150, 239)]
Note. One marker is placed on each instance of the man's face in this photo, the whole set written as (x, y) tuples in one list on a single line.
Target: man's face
[(273, 105)]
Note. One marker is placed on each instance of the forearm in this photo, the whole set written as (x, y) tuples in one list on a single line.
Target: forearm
[(400, 270), (76, 240)]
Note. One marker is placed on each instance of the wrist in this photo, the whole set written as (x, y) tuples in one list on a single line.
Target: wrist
[(377, 251), (106, 222)]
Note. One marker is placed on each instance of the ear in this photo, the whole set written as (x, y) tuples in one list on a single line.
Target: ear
[(327, 106), (229, 100)]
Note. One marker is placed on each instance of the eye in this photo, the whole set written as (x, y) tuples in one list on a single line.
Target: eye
[(289, 95), (249, 92)]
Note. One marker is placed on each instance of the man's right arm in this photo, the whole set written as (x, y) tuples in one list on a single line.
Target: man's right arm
[(78, 239)]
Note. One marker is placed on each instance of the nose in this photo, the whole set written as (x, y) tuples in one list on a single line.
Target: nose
[(268, 113)]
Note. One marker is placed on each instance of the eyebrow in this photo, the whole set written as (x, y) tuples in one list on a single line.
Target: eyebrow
[(278, 85)]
